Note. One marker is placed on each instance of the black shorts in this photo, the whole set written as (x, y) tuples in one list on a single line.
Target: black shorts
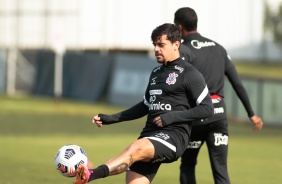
[(169, 146)]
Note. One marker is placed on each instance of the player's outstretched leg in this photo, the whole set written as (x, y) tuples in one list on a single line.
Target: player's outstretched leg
[(82, 174)]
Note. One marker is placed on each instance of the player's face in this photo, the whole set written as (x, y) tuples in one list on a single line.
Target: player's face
[(164, 49)]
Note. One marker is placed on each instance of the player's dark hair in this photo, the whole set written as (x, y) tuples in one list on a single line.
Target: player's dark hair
[(186, 17), (170, 30)]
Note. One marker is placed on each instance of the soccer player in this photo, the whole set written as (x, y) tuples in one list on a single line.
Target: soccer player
[(175, 96), (212, 60)]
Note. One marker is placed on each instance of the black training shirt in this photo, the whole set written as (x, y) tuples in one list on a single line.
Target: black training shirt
[(212, 60), (177, 92)]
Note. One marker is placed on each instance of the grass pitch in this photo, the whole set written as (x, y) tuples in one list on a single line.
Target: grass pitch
[(33, 129)]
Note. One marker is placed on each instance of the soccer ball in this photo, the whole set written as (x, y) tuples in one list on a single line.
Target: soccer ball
[(68, 158)]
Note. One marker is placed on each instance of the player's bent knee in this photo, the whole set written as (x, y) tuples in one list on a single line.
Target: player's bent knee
[(143, 150)]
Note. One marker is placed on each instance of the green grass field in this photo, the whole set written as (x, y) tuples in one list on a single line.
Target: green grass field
[(32, 129)]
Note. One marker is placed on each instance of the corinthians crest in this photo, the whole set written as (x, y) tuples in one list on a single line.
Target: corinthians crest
[(171, 78)]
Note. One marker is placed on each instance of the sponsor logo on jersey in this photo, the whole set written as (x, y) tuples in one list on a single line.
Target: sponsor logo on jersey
[(194, 144), (218, 110), (171, 78), (179, 68), (159, 106), (156, 92), (153, 81), (198, 45), (152, 98), (162, 136), (220, 139)]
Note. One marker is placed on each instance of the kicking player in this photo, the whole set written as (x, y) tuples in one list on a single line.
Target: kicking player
[(212, 60), (175, 96)]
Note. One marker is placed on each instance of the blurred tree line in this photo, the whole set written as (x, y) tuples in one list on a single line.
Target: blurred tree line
[(273, 23)]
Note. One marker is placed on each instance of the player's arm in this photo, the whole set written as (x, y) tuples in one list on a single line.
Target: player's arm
[(233, 77), (137, 111), (198, 91)]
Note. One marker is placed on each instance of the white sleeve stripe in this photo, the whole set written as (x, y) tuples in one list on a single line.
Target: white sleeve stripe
[(145, 101), (203, 95), (167, 144)]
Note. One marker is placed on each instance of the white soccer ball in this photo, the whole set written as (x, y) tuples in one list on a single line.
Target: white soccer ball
[(68, 158)]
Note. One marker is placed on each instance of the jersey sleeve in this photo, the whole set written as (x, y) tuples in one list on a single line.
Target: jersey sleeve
[(137, 111), (234, 79), (197, 91)]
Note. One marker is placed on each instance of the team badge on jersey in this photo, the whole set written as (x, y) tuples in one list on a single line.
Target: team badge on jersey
[(171, 78)]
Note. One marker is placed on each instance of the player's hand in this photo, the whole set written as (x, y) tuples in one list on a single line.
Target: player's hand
[(158, 121), (257, 122), (97, 120)]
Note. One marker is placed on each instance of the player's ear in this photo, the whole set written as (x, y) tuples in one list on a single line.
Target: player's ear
[(179, 27), (177, 45)]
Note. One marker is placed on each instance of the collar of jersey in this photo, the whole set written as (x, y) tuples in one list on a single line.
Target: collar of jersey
[(191, 36), (173, 63)]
